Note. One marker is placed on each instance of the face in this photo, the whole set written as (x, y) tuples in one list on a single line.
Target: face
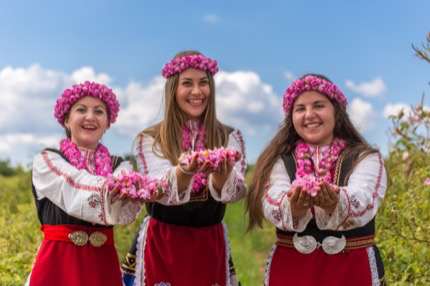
[(87, 121), (192, 93), (314, 118)]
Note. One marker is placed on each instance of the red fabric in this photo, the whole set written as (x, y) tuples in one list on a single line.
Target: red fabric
[(63, 263), (183, 256), (62, 231), (290, 267)]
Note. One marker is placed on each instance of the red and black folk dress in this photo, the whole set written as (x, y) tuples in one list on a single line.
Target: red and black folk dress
[(183, 240), (327, 249), (77, 216)]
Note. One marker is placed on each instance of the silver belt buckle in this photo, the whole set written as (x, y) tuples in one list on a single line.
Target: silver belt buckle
[(333, 245), (305, 244)]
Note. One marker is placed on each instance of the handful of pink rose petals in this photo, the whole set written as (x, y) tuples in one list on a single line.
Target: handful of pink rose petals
[(310, 184), (136, 186), (213, 158)]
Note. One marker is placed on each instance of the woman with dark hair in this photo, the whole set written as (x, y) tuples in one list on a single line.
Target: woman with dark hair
[(80, 195), (320, 184), (183, 240)]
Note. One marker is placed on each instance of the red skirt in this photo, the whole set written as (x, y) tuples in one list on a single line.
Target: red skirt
[(183, 255), (60, 262), (353, 268)]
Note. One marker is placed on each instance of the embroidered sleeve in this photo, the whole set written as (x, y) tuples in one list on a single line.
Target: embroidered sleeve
[(276, 206), (122, 211), (155, 166), (360, 199), (234, 187), (77, 192)]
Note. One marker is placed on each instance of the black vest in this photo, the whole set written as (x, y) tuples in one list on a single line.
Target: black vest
[(49, 213), (343, 171)]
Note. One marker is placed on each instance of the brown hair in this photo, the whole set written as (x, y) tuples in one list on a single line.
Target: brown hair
[(168, 132), (284, 142)]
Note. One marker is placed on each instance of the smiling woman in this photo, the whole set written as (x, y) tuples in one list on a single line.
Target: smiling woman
[(86, 122), (185, 226), (320, 184), (77, 196)]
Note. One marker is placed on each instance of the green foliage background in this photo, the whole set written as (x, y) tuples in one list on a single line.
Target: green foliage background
[(402, 234), (403, 221)]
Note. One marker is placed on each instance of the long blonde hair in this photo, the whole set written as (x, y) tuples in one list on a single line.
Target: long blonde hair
[(284, 142), (168, 132)]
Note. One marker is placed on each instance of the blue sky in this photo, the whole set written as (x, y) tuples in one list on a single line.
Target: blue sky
[(363, 46)]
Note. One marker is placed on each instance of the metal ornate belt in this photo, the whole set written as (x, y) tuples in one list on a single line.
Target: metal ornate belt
[(79, 235), (331, 244)]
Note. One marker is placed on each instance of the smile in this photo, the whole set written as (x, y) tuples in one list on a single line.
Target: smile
[(195, 102)]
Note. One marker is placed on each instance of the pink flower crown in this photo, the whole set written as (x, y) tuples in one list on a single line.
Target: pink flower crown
[(71, 95), (179, 64), (312, 83)]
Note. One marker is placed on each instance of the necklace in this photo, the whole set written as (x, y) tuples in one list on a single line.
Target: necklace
[(103, 162), (310, 175), (197, 143)]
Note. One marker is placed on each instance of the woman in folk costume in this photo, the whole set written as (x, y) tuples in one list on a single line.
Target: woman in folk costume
[(79, 194), (183, 240), (321, 185)]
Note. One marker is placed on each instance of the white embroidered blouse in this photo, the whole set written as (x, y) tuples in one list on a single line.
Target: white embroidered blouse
[(78, 192), (358, 202), (155, 166)]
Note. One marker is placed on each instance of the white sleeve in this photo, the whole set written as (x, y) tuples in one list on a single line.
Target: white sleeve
[(234, 187), (77, 192), (360, 199), (276, 206), (155, 166)]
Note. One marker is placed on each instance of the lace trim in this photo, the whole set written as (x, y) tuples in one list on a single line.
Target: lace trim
[(373, 266), (140, 250), (268, 265), (227, 256)]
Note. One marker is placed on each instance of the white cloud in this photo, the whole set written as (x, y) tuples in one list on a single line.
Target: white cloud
[(88, 74), (211, 19), (28, 95), (141, 106), (370, 89), (245, 101), (21, 147), (361, 113)]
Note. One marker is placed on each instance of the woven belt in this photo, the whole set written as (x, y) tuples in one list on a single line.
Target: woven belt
[(331, 245), (79, 235)]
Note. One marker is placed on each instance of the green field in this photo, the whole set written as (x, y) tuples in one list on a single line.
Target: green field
[(403, 230)]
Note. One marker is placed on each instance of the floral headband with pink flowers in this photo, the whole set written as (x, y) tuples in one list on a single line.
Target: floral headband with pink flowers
[(71, 95), (196, 61), (312, 83)]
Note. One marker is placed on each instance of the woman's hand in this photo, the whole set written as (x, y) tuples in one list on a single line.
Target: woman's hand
[(300, 202), (220, 175), (327, 197)]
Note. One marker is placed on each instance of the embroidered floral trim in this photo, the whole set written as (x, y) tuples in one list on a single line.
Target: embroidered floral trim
[(71, 182), (371, 205), (238, 136), (197, 61), (67, 177), (141, 155), (102, 158)]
